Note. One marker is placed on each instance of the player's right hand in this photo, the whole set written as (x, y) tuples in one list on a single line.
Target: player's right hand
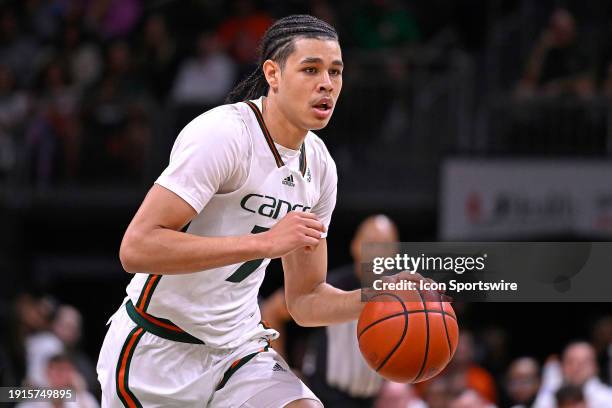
[(295, 230)]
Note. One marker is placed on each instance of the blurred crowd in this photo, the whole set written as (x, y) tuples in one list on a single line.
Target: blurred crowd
[(562, 62), (40, 346), (84, 83), (87, 86)]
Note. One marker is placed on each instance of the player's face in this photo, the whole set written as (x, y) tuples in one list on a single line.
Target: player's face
[(310, 82)]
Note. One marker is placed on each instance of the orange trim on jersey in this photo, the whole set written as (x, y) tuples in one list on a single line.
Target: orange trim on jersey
[(158, 322), (147, 292), (122, 373)]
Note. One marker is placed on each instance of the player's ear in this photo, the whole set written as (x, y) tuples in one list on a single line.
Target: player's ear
[(271, 71)]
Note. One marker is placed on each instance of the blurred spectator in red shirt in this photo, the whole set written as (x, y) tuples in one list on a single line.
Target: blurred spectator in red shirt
[(240, 34), (464, 373)]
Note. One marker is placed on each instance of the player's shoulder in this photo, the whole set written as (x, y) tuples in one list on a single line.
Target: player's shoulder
[(223, 125), (224, 119), (319, 153)]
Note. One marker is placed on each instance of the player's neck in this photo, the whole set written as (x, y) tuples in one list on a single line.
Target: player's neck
[(282, 131)]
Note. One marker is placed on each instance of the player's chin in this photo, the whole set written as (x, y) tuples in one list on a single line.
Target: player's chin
[(316, 123)]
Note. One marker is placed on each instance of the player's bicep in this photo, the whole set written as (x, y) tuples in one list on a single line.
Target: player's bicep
[(304, 270), (162, 208)]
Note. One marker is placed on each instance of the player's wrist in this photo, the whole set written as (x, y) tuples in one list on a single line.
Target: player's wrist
[(260, 245)]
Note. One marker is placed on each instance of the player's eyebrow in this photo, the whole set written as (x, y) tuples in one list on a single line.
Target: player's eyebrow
[(317, 60)]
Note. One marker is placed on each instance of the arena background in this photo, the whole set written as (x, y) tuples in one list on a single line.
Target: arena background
[(93, 94)]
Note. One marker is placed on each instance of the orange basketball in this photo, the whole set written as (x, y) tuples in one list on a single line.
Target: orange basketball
[(407, 336)]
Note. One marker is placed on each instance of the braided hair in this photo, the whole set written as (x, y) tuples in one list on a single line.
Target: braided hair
[(277, 44)]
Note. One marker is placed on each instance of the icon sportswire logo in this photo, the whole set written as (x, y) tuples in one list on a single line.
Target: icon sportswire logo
[(288, 181)]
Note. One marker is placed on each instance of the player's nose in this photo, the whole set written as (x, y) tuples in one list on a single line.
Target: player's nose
[(326, 83)]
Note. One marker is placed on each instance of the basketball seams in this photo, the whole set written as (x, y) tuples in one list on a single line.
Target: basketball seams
[(407, 312), (450, 348), (403, 333), (430, 335), (426, 354)]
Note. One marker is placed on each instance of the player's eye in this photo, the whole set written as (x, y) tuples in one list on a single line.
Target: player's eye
[(310, 70), (335, 72)]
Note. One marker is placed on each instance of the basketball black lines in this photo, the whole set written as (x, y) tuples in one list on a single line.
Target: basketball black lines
[(405, 313), (450, 347), (403, 333), (426, 338)]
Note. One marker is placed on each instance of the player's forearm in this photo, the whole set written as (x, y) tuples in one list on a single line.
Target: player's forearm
[(168, 252), (326, 305)]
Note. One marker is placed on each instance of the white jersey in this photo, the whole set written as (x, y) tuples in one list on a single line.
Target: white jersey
[(227, 167)]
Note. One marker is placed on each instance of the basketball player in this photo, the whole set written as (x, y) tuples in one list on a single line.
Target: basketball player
[(253, 183)]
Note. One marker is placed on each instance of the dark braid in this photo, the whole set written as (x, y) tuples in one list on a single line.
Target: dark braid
[(277, 44)]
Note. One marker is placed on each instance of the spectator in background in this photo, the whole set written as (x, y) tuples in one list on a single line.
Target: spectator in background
[(27, 316), (437, 394), (121, 69), (113, 19), (522, 382), (464, 373), (578, 368), (53, 137), (397, 395), (557, 64), (18, 50), (470, 399), (206, 78), (82, 56), (385, 23), (14, 106), (158, 59), (61, 374), (35, 315), (570, 396), (602, 342), (240, 33), (117, 116), (67, 327), (601, 336)]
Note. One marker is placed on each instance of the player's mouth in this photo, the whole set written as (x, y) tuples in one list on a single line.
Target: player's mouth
[(323, 108)]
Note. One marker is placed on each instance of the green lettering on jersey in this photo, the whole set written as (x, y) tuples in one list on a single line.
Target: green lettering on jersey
[(249, 267)]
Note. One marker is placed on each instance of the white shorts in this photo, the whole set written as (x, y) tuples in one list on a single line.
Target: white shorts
[(146, 363)]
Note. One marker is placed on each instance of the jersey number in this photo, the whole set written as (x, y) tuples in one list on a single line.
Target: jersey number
[(249, 267)]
